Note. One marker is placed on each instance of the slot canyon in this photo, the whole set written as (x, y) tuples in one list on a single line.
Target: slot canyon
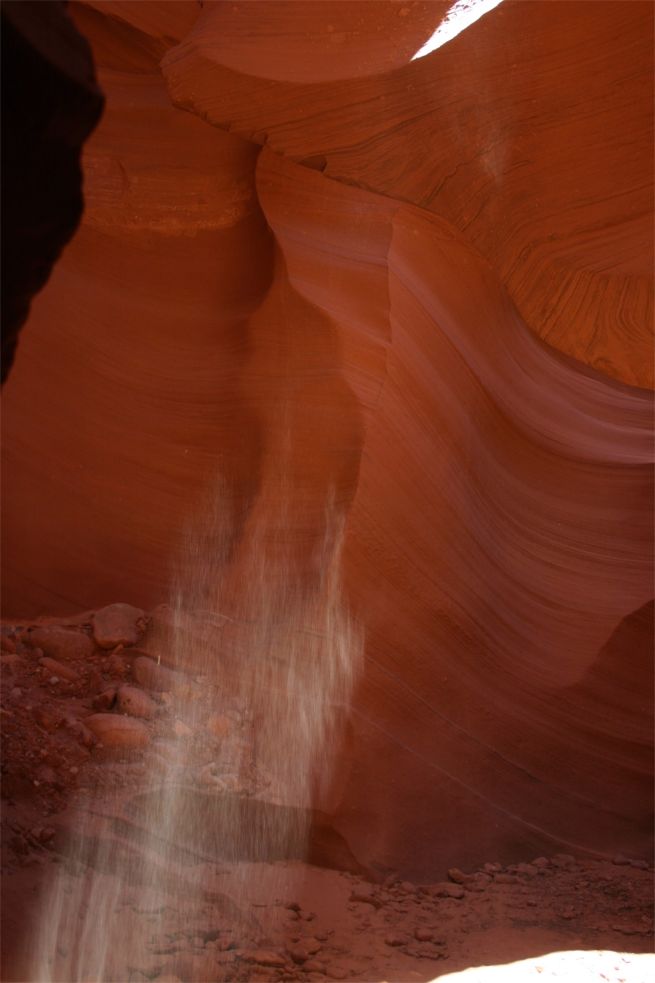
[(327, 491)]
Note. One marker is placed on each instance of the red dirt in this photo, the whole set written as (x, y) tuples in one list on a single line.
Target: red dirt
[(294, 921)]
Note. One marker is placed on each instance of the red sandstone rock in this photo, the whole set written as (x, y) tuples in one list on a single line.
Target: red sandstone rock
[(50, 718), (54, 667), (106, 699), (148, 673), (446, 890), (182, 730), (61, 643), (135, 702), (497, 493), (118, 624), (115, 731), (265, 958), (365, 130), (366, 896)]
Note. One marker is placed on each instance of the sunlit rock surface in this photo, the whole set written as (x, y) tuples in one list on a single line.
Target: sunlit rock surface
[(426, 300)]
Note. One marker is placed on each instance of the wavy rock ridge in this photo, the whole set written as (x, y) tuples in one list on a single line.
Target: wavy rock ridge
[(362, 307)]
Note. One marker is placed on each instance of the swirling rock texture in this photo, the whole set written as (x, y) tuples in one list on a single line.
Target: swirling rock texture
[(420, 289)]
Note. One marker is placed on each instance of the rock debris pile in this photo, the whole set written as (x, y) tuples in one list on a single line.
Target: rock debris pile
[(91, 713)]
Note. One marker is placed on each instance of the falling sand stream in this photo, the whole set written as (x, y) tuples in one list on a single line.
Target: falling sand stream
[(272, 654)]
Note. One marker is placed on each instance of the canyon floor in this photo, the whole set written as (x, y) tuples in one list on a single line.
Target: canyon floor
[(90, 732)]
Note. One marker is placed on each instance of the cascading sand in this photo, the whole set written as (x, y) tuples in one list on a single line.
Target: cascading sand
[(266, 644)]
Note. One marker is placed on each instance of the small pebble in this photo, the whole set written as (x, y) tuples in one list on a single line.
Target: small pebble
[(264, 957), (563, 860), (58, 670), (182, 730), (447, 890), (135, 702)]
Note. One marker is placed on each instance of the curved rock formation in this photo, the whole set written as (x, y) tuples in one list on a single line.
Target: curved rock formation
[(541, 157), (361, 309)]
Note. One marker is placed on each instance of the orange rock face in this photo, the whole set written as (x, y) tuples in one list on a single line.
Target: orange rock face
[(426, 299)]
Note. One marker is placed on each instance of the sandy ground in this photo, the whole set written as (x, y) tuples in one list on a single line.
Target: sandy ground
[(80, 864)]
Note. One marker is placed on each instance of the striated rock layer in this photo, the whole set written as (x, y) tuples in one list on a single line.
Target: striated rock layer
[(358, 314)]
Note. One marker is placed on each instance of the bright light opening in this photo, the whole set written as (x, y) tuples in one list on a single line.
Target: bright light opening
[(461, 15), (564, 966)]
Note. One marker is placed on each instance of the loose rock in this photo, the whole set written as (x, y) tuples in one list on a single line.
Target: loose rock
[(59, 669), (182, 730), (478, 882), (339, 971), (365, 895), (528, 870), (118, 624), (151, 675), (298, 953), (135, 702), (446, 890), (83, 734), (265, 958), (106, 699), (116, 731), (563, 860), (67, 644), (50, 718)]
